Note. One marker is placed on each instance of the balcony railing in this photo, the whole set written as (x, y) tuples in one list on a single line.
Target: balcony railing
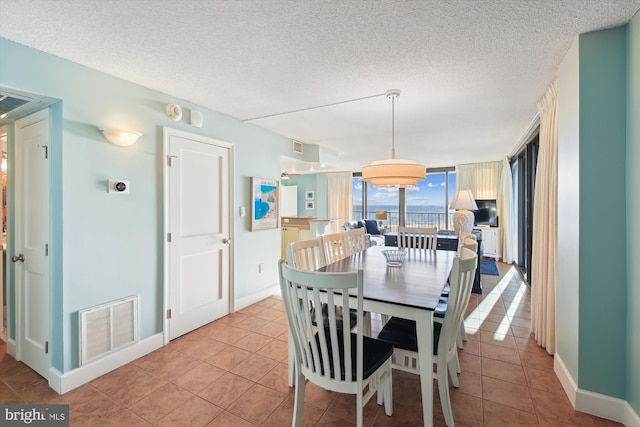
[(413, 219)]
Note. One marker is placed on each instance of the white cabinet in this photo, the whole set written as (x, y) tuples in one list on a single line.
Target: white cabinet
[(491, 242)]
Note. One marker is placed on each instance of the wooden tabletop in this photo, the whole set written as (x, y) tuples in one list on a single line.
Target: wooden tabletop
[(417, 283)]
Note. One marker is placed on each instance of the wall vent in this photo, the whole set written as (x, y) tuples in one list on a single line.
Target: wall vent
[(298, 146), (108, 327)]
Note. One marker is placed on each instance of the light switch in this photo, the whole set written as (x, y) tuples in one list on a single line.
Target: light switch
[(243, 211)]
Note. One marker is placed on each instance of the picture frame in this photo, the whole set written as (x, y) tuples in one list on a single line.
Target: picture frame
[(309, 195), (309, 205), (265, 204)]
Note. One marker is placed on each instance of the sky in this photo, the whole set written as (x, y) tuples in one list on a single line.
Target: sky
[(431, 191)]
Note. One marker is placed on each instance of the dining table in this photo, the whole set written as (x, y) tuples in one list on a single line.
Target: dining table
[(410, 291)]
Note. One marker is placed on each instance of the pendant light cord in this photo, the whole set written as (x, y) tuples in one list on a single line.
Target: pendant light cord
[(393, 126)]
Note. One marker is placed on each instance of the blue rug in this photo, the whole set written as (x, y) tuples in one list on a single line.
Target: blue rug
[(488, 266)]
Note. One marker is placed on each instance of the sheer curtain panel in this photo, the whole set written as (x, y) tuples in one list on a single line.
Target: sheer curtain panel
[(506, 212), (545, 226), (480, 178), (339, 196)]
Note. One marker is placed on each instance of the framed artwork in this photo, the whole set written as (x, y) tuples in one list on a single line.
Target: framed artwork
[(265, 204), (309, 204), (308, 195)]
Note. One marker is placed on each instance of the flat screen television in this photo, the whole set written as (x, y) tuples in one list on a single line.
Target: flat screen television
[(487, 213)]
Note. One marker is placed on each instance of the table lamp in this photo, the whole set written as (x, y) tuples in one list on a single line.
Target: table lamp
[(381, 216), (463, 201)]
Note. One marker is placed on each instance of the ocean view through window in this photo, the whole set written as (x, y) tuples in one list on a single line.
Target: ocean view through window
[(427, 204)]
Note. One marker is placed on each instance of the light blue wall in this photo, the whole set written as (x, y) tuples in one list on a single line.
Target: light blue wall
[(633, 212), (599, 158), (110, 247), (317, 183), (603, 234)]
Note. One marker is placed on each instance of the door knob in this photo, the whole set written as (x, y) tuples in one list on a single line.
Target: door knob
[(17, 258), (226, 240)]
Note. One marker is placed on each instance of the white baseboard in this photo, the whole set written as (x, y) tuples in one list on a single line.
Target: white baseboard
[(566, 380), (64, 382), (241, 303), (12, 350), (611, 408), (631, 418)]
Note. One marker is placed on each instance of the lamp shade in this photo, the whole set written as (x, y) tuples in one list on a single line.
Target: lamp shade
[(381, 215), (393, 172), (463, 199), (121, 137)]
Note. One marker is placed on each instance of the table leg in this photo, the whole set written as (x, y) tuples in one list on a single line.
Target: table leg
[(424, 330)]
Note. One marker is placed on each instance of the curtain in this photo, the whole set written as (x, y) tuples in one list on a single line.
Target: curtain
[(340, 193), (505, 203), (545, 226), (480, 178)]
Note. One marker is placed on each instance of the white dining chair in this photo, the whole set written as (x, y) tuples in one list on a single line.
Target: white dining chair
[(355, 241), (333, 357), (438, 315), (401, 333), (306, 254), (335, 246), (418, 238)]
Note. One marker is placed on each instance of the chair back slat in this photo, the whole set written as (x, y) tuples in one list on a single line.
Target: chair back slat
[(317, 348), (418, 237), (461, 281)]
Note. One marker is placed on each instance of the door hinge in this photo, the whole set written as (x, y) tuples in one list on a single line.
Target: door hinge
[(46, 150), (168, 313), (46, 347), (169, 237), (46, 249), (169, 159)]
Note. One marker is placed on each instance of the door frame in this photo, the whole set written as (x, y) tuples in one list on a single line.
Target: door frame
[(167, 132)]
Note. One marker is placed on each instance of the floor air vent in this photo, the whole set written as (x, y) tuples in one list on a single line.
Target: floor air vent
[(108, 327)]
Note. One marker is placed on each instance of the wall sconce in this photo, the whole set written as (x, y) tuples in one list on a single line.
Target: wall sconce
[(121, 137)]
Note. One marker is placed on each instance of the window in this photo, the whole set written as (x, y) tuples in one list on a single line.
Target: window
[(427, 204)]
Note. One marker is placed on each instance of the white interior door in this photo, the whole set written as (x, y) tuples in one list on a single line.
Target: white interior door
[(31, 260), (198, 171)]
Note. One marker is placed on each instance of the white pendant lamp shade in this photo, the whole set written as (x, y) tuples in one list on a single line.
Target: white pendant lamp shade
[(393, 172)]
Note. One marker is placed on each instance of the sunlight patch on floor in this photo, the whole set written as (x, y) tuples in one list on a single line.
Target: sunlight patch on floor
[(480, 313)]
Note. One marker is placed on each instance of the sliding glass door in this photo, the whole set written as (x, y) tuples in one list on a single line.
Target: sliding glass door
[(523, 166)]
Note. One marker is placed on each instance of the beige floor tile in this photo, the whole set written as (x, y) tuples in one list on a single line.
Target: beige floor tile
[(503, 371), (226, 390), (194, 412), (162, 401), (508, 394), (257, 404), (496, 415), (199, 377)]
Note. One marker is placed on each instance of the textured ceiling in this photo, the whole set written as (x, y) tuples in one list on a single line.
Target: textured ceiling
[(470, 72)]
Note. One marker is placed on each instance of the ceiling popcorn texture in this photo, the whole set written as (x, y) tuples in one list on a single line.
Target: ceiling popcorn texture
[(471, 72)]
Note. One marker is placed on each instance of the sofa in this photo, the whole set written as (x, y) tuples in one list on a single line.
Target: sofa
[(373, 235)]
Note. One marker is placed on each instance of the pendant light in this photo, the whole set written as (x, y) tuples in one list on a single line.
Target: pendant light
[(393, 172)]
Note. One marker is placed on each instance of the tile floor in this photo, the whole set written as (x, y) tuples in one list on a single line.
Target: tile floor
[(233, 372)]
